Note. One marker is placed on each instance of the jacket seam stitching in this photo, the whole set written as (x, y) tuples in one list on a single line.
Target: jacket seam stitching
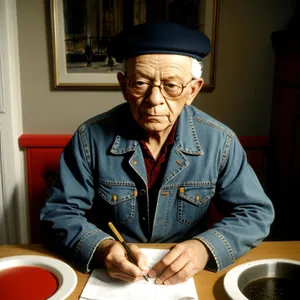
[(86, 151), (213, 124), (211, 250), (204, 184), (225, 153), (93, 251), (83, 127), (82, 240), (224, 240)]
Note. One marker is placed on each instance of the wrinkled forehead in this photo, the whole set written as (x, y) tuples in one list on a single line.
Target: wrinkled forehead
[(159, 62)]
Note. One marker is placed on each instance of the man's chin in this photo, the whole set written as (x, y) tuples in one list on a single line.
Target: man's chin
[(154, 127)]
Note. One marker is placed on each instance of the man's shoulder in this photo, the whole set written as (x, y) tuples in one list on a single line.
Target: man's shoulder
[(206, 122), (109, 118)]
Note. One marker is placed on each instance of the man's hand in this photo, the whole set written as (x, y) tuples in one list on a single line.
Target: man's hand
[(113, 256), (182, 262)]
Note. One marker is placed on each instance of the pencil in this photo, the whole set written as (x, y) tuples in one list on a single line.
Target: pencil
[(122, 241)]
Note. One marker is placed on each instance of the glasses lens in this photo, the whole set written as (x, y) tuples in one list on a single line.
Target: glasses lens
[(172, 88), (139, 86)]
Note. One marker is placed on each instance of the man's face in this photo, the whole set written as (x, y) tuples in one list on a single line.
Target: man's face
[(154, 111)]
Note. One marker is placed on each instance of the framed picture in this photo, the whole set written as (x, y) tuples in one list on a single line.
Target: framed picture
[(81, 30)]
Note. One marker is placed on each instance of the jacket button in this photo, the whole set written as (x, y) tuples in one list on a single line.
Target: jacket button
[(115, 197), (142, 192), (197, 198), (179, 162), (181, 190), (134, 193)]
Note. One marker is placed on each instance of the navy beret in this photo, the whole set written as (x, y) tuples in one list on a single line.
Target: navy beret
[(159, 38)]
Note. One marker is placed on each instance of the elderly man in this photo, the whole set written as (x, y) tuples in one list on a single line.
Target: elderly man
[(152, 166)]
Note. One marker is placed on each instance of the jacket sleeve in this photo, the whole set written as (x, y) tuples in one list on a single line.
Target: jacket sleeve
[(64, 226), (250, 212)]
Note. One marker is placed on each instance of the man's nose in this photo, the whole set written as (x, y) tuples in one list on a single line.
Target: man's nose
[(155, 96)]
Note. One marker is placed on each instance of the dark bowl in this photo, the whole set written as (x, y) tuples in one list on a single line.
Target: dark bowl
[(264, 279)]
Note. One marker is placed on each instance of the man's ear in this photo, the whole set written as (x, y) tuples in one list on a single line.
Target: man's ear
[(122, 82), (196, 86)]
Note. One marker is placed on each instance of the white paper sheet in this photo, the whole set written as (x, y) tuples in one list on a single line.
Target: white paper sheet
[(100, 286)]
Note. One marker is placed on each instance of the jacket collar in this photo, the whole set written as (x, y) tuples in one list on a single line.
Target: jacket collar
[(186, 139)]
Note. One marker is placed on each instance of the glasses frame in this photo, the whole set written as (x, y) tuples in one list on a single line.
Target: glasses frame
[(151, 86)]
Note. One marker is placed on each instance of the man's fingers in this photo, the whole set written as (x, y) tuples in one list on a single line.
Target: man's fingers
[(115, 272), (126, 266), (176, 266), (170, 277), (139, 256), (167, 260), (117, 258), (182, 262)]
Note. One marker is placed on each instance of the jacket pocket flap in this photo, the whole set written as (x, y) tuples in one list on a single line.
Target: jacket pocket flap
[(115, 194), (196, 195)]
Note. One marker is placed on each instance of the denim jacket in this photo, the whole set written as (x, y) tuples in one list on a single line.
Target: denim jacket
[(103, 178)]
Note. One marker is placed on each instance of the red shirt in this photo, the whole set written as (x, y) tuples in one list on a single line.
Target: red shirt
[(156, 169)]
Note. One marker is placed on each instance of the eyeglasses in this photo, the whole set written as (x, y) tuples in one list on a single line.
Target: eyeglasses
[(169, 88)]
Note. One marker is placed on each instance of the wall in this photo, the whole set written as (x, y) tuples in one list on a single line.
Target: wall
[(244, 70)]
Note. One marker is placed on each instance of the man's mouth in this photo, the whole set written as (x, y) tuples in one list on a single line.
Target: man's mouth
[(153, 115)]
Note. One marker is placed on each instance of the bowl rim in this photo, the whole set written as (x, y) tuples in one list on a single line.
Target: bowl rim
[(230, 282)]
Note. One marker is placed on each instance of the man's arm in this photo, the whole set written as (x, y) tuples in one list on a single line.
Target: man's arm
[(250, 212), (64, 226), (244, 227)]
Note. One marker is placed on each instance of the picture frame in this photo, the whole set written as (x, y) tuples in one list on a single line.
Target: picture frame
[(80, 36)]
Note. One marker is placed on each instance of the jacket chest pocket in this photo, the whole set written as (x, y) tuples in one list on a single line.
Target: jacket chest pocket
[(120, 201), (192, 203)]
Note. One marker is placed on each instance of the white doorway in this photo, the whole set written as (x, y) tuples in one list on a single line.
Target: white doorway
[(13, 200)]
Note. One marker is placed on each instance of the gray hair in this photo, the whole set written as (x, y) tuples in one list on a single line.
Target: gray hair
[(197, 67)]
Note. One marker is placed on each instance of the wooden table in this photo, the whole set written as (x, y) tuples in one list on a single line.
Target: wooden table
[(209, 285)]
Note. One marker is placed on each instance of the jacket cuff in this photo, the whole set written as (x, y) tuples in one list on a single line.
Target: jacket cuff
[(220, 250), (86, 248)]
